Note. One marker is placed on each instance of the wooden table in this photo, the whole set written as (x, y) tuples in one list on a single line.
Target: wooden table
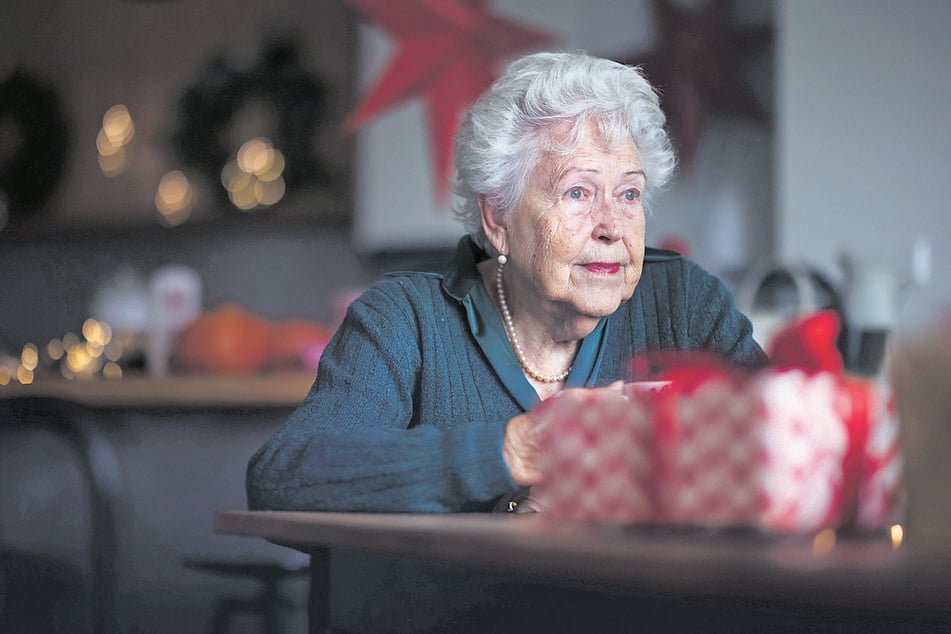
[(858, 572)]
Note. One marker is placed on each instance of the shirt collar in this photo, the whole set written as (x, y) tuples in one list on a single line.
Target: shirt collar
[(462, 272), (463, 282)]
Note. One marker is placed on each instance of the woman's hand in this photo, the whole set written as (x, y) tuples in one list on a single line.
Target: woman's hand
[(523, 445)]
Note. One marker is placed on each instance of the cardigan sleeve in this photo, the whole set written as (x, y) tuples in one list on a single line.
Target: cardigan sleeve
[(356, 443), (715, 323)]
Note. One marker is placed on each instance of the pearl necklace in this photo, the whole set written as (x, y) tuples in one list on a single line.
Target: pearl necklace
[(510, 331)]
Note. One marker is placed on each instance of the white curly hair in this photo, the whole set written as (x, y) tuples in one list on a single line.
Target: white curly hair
[(506, 133)]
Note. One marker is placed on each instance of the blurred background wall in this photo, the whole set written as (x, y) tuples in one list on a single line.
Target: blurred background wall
[(848, 155), (862, 136), (378, 202), (849, 90)]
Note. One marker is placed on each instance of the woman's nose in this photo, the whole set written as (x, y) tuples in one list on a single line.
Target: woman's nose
[(608, 225)]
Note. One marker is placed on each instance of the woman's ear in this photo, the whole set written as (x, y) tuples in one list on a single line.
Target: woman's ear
[(495, 231)]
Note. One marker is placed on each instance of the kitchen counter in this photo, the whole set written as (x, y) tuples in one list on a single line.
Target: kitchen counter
[(278, 389)]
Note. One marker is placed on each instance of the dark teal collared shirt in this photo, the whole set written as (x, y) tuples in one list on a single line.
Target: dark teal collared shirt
[(413, 394), (489, 331)]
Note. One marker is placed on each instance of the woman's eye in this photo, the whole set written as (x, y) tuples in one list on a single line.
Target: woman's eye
[(632, 195), (576, 193)]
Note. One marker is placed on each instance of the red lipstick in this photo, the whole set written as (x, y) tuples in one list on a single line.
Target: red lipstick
[(608, 268)]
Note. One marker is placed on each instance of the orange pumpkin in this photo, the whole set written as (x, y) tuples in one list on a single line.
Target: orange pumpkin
[(226, 340), (297, 343)]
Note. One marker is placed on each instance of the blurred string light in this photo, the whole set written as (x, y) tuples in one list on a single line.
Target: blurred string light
[(97, 351), (29, 360), (254, 179), (173, 198), (116, 133)]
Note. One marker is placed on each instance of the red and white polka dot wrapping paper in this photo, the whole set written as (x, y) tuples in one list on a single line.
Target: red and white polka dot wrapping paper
[(768, 452)]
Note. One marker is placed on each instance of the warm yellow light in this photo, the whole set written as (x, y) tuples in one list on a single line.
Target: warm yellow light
[(898, 535), (78, 359), (114, 350), (94, 349), (173, 198), (256, 156), (823, 542), (24, 375), (270, 192), (29, 357), (176, 218), (118, 126), (92, 331), (112, 370), (55, 349), (104, 146), (174, 189), (70, 340), (231, 174), (113, 164), (244, 198), (5, 375), (242, 182), (275, 170)]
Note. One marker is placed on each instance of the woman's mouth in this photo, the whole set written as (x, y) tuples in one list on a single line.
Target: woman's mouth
[(606, 268)]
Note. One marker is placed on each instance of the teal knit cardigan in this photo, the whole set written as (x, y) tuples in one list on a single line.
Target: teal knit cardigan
[(408, 410)]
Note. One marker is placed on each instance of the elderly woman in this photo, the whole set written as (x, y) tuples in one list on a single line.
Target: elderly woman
[(424, 398)]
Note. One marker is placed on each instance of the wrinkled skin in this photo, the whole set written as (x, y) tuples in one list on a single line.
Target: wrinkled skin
[(575, 249)]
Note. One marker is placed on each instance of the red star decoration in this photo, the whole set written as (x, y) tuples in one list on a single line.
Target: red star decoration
[(697, 67), (448, 50)]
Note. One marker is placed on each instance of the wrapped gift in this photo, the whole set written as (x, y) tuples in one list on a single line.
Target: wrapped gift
[(600, 456), (768, 452), (791, 448), (880, 499)]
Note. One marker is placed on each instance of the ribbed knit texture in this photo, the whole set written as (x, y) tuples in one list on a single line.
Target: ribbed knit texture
[(407, 415)]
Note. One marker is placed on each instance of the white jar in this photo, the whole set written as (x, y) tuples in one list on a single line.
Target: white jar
[(175, 299)]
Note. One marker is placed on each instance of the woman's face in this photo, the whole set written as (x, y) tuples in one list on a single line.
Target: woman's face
[(577, 239)]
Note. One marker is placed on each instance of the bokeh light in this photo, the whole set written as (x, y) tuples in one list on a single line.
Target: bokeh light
[(24, 376), (256, 156), (70, 339), (116, 133), (897, 534), (112, 370), (269, 192), (118, 126), (113, 164), (173, 198), (254, 179), (75, 356), (55, 350), (29, 357)]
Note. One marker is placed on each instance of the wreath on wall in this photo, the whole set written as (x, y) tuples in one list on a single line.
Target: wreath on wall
[(209, 107), (34, 143)]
